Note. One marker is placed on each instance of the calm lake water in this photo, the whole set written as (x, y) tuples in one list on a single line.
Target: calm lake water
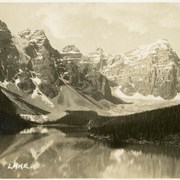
[(61, 153)]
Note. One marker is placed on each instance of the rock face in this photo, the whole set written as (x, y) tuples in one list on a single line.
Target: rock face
[(41, 54), (90, 81), (82, 74), (39, 75), (9, 55), (71, 53), (96, 56), (24, 82), (151, 69)]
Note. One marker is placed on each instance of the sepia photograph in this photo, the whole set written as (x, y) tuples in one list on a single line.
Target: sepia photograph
[(89, 89)]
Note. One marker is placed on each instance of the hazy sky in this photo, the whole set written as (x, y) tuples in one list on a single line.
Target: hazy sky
[(116, 27)]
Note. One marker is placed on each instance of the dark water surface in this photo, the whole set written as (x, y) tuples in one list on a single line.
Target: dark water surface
[(70, 152)]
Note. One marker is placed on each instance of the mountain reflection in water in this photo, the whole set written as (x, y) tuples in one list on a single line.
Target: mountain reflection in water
[(68, 152)]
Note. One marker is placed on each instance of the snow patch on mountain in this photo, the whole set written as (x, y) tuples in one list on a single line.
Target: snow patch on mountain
[(4, 84), (38, 41), (118, 93), (35, 118), (17, 81), (143, 51), (36, 80), (25, 33), (177, 97), (69, 52)]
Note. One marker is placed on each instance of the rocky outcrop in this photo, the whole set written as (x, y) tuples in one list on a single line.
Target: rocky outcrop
[(71, 53), (26, 53), (92, 82), (86, 79), (42, 54), (9, 55), (83, 74), (97, 58), (24, 82), (151, 69)]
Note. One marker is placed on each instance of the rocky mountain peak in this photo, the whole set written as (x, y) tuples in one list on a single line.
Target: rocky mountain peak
[(29, 34), (98, 56), (3, 26), (40, 55), (144, 51), (25, 33), (38, 33), (39, 37), (71, 53), (162, 42), (70, 49), (5, 34), (9, 55), (149, 70), (99, 50)]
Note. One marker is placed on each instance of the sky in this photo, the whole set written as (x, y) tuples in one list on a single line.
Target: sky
[(115, 27)]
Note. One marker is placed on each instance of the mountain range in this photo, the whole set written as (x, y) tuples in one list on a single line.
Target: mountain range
[(44, 84), (149, 70)]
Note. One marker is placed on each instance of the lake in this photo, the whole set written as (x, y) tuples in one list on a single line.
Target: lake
[(69, 152)]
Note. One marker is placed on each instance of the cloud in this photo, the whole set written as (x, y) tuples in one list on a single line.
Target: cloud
[(168, 17), (131, 17), (70, 20), (59, 21), (168, 23), (136, 26), (115, 26), (76, 20), (140, 17)]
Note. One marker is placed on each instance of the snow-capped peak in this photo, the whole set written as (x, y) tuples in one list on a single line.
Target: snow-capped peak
[(146, 50), (25, 33), (159, 44)]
